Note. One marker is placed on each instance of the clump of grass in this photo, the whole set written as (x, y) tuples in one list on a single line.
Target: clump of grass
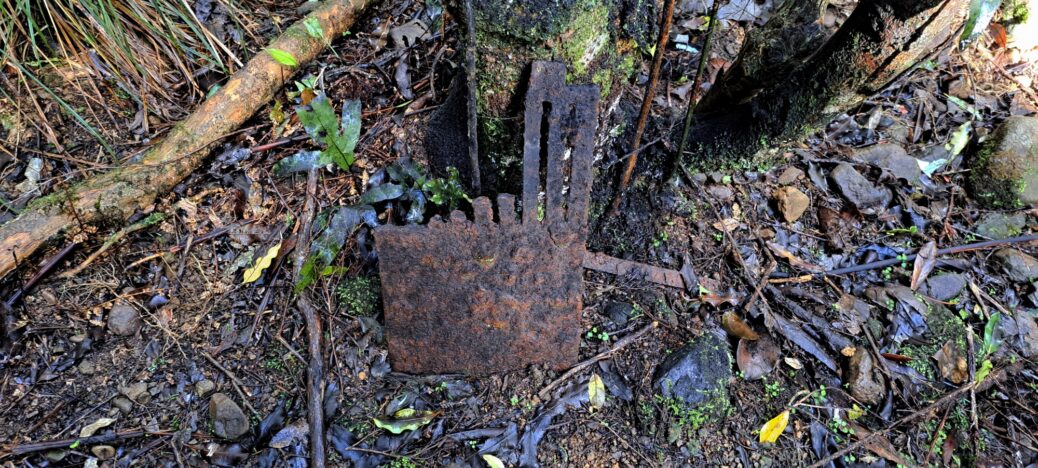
[(144, 47)]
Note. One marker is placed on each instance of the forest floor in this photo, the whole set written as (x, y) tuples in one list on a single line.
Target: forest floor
[(160, 345)]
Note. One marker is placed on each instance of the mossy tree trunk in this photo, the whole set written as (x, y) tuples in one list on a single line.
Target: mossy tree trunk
[(758, 105)]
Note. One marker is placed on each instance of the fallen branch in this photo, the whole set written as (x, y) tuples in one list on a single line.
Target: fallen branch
[(781, 277), (117, 194), (315, 366), (620, 267)]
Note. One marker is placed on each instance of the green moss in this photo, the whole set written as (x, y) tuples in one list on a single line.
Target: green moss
[(586, 36), (361, 295), (943, 325)]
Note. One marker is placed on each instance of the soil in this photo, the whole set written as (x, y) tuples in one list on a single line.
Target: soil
[(202, 331)]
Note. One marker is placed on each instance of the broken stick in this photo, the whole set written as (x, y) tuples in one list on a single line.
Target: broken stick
[(117, 194)]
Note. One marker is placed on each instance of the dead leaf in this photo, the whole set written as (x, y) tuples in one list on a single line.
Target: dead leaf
[(726, 225), (924, 263), (492, 461), (772, 429), (848, 351), (735, 326), (792, 259), (793, 362), (91, 428), (407, 419), (718, 300), (951, 364), (596, 392), (262, 263), (900, 358)]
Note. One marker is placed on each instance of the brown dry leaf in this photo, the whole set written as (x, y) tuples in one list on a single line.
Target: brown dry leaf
[(880, 445), (924, 263), (792, 259), (717, 300), (735, 326), (952, 365), (900, 358), (727, 224)]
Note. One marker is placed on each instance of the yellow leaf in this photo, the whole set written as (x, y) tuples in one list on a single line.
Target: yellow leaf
[(596, 392), (254, 273), (771, 430), (492, 461)]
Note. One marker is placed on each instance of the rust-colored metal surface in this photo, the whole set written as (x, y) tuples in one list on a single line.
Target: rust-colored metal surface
[(484, 295)]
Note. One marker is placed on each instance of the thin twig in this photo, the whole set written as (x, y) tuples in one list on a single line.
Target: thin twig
[(623, 342), (694, 96), (650, 92), (315, 368)]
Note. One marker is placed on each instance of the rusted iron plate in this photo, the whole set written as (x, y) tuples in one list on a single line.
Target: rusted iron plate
[(620, 267), (484, 296)]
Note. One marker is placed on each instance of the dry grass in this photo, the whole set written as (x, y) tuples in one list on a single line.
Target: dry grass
[(152, 50)]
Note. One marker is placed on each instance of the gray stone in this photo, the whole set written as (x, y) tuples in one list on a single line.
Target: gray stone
[(720, 192), (858, 190), (1021, 332), (229, 421), (103, 452), (1001, 225), (124, 320), (944, 287), (864, 379), (619, 312), (790, 175), (1019, 266), (204, 387), (791, 202), (123, 404), (137, 392), (697, 373), (1004, 173), (86, 367), (893, 158)]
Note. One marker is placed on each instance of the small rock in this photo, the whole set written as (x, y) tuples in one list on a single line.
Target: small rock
[(865, 382), (1000, 225), (619, 312), (204, 387), (103, 452), (137, 392), (697, 372), (123, 404), (791, 202), (124, 320), (1004, 173), (944, 287), (790, 175), (1020, 267), (229, 421), (858, 190), (1021, 332), (86, 367), (893, 158), (720, 192)]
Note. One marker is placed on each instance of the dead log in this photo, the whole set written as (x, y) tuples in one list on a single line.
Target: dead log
[(114, 196), (881, 40)]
